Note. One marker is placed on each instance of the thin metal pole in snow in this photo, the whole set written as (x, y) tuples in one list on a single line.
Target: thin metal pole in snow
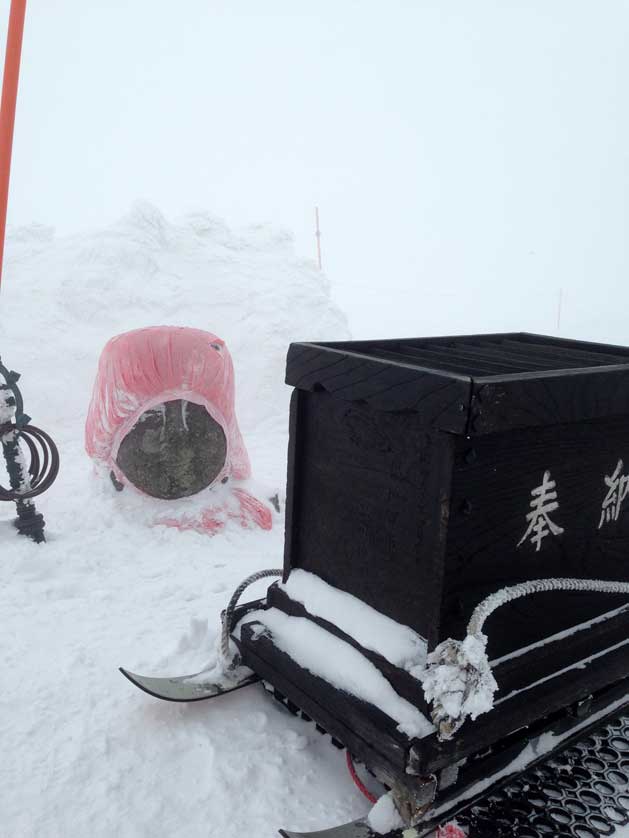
[(7, 109), (318, 235), (559, 309)]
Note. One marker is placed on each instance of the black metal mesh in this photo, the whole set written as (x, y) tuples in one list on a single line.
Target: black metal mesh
[(583, 792)]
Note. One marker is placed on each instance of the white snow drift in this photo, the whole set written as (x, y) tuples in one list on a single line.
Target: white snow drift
[(83, 752)]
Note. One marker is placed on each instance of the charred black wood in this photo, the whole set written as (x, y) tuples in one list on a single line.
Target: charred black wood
[(413, 465)]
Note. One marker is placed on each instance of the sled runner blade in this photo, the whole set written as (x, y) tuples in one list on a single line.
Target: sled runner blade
[(354, 829), (185, 687)]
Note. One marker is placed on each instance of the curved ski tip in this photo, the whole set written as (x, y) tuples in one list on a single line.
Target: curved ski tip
[(147, 684), (167, 689), (131, 676), (186, 688)]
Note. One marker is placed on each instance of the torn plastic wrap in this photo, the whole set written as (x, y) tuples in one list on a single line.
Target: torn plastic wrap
[(142, 370)]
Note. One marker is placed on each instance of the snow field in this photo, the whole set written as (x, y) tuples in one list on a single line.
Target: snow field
[(84, 753)]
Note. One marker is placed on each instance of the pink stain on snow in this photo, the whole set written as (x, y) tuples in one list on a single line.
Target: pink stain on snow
[(450, 830), (141, 369)]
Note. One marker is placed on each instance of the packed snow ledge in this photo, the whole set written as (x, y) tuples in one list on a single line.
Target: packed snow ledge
[(341, 665), (398, 644)]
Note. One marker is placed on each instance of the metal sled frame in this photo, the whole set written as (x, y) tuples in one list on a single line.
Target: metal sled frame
[(459, 772), (489, 788)]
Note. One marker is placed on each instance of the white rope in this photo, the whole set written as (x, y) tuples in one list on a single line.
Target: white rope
[(228, 616), (458, 680), (536, 586)]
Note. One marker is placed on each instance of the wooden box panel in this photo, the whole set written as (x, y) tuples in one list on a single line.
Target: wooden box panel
[(487, 546), (412, 464), (368, 494)]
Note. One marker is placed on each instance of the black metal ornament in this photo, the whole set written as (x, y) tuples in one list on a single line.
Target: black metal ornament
[(26, 482)]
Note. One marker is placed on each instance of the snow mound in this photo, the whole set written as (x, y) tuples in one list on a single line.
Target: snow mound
[(64, 297), (384, 816), (84, 753)]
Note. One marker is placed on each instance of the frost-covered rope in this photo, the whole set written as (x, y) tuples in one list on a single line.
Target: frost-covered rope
[(537, 586), (458, 679), (228, 616)]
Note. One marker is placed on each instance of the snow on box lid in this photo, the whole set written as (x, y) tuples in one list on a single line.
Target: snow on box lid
[(471, 384)]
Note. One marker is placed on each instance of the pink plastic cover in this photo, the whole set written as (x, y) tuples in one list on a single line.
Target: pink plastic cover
[(141, 369)]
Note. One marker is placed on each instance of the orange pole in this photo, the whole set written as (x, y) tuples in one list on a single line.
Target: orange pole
[(318, 237), (7, 109)]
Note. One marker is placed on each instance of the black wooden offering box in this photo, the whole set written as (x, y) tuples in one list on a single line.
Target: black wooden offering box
[(426, 474)]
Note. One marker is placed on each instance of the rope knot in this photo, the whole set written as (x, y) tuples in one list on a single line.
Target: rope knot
[(459, 682)]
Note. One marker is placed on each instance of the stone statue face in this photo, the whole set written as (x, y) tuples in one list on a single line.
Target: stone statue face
[(174, 450)]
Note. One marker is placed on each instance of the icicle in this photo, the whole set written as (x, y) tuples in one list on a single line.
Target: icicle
[(184, 414)]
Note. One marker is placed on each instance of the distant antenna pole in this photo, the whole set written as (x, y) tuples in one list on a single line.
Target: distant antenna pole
[(7, 108), (559, 309), (318, 235)]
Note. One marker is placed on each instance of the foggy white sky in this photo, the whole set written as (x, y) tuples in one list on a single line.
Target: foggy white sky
[(469, 158)]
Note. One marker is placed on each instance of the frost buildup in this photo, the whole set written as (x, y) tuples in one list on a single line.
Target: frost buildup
[(459, 683), (9, 439)]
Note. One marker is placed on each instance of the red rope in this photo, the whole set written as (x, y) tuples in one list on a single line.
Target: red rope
[(450, 830), (359, 783)]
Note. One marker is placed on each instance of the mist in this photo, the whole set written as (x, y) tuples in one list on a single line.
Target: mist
[(469, 160)]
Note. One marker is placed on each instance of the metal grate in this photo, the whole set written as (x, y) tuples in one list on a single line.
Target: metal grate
[(583, 792), (493, 355)]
